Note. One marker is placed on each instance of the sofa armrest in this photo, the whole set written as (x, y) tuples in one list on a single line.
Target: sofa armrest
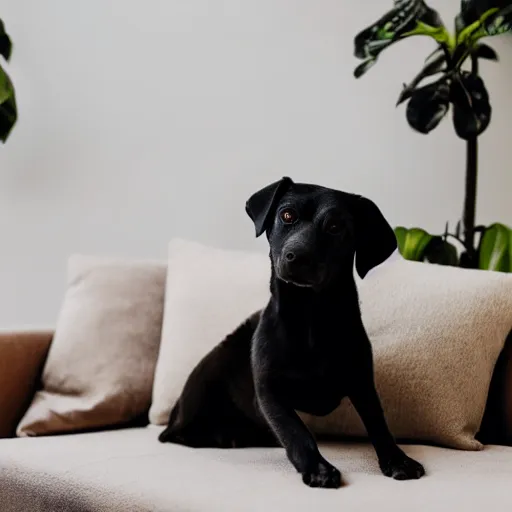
[(22, 357)]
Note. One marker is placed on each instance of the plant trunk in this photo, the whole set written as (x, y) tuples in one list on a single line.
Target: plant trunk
[(468, 219)]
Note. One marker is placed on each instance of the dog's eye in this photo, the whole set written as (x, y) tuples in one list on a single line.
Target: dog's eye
[(333, 227), (288, 216)]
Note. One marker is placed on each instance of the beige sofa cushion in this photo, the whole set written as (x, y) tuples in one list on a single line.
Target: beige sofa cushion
[(130, 471), (436, 334), (100, 367)]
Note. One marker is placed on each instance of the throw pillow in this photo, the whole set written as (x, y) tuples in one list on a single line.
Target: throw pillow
[(100, 367), (209, 295), (436, 335)]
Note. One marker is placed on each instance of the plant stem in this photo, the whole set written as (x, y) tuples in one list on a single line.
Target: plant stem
[(468, 218)]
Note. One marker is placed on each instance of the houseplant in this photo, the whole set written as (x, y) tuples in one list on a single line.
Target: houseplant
[(449, 80), (8, 109)]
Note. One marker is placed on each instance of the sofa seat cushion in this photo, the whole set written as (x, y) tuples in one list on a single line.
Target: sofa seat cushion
[(130, 471)]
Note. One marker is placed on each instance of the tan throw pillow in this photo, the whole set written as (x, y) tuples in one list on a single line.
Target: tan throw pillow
[(100, 367), (436, 334), (211, 293)]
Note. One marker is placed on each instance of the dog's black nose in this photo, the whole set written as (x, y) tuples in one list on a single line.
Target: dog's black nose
[(298, 266), (298, 259)]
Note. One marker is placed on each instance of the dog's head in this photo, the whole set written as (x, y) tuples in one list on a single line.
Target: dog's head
[(314, 232)]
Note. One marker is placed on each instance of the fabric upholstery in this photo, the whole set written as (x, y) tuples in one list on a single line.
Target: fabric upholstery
[(22, 356), (436, 334), (100, 366), (130, 471), (209, 292)]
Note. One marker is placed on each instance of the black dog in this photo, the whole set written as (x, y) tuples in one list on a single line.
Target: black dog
[(308, 348)]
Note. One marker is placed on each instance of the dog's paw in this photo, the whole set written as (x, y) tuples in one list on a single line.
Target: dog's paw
[(169, 436), (324, 475), (401, 467)]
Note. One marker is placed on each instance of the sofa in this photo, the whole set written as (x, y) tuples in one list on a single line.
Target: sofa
[(127, 470), (121, 466)]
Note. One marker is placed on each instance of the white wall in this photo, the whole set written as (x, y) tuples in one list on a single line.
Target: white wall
[(140, 121)]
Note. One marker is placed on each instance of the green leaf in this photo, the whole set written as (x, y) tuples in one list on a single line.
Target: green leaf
[(8, 108), (471, 105), (429, 105), (432, 66), (413, 242), (364, 67), (470, 12), (484, 51), (478, 19), (495, 249), (482, 19), (400, 234), (408, 18), (498, 23), (416, 244), (5, 43)]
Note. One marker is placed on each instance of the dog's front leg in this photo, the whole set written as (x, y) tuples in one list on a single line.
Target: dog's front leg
[(392, 460), (296, 439)]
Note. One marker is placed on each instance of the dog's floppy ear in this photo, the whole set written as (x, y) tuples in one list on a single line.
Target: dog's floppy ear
[(261, 205), (375, 238)]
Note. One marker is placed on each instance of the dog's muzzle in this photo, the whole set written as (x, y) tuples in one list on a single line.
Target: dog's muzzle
[(300, 269)]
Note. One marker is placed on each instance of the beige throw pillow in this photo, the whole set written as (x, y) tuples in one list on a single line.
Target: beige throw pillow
[(100, 367), (436, 334), (209, 295)]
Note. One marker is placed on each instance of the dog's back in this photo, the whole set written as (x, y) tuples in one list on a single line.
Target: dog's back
[(217, 406)]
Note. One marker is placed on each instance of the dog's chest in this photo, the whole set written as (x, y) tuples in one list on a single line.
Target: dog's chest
[(311, 362), (318, 390), (319, 347), (318, 367)]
